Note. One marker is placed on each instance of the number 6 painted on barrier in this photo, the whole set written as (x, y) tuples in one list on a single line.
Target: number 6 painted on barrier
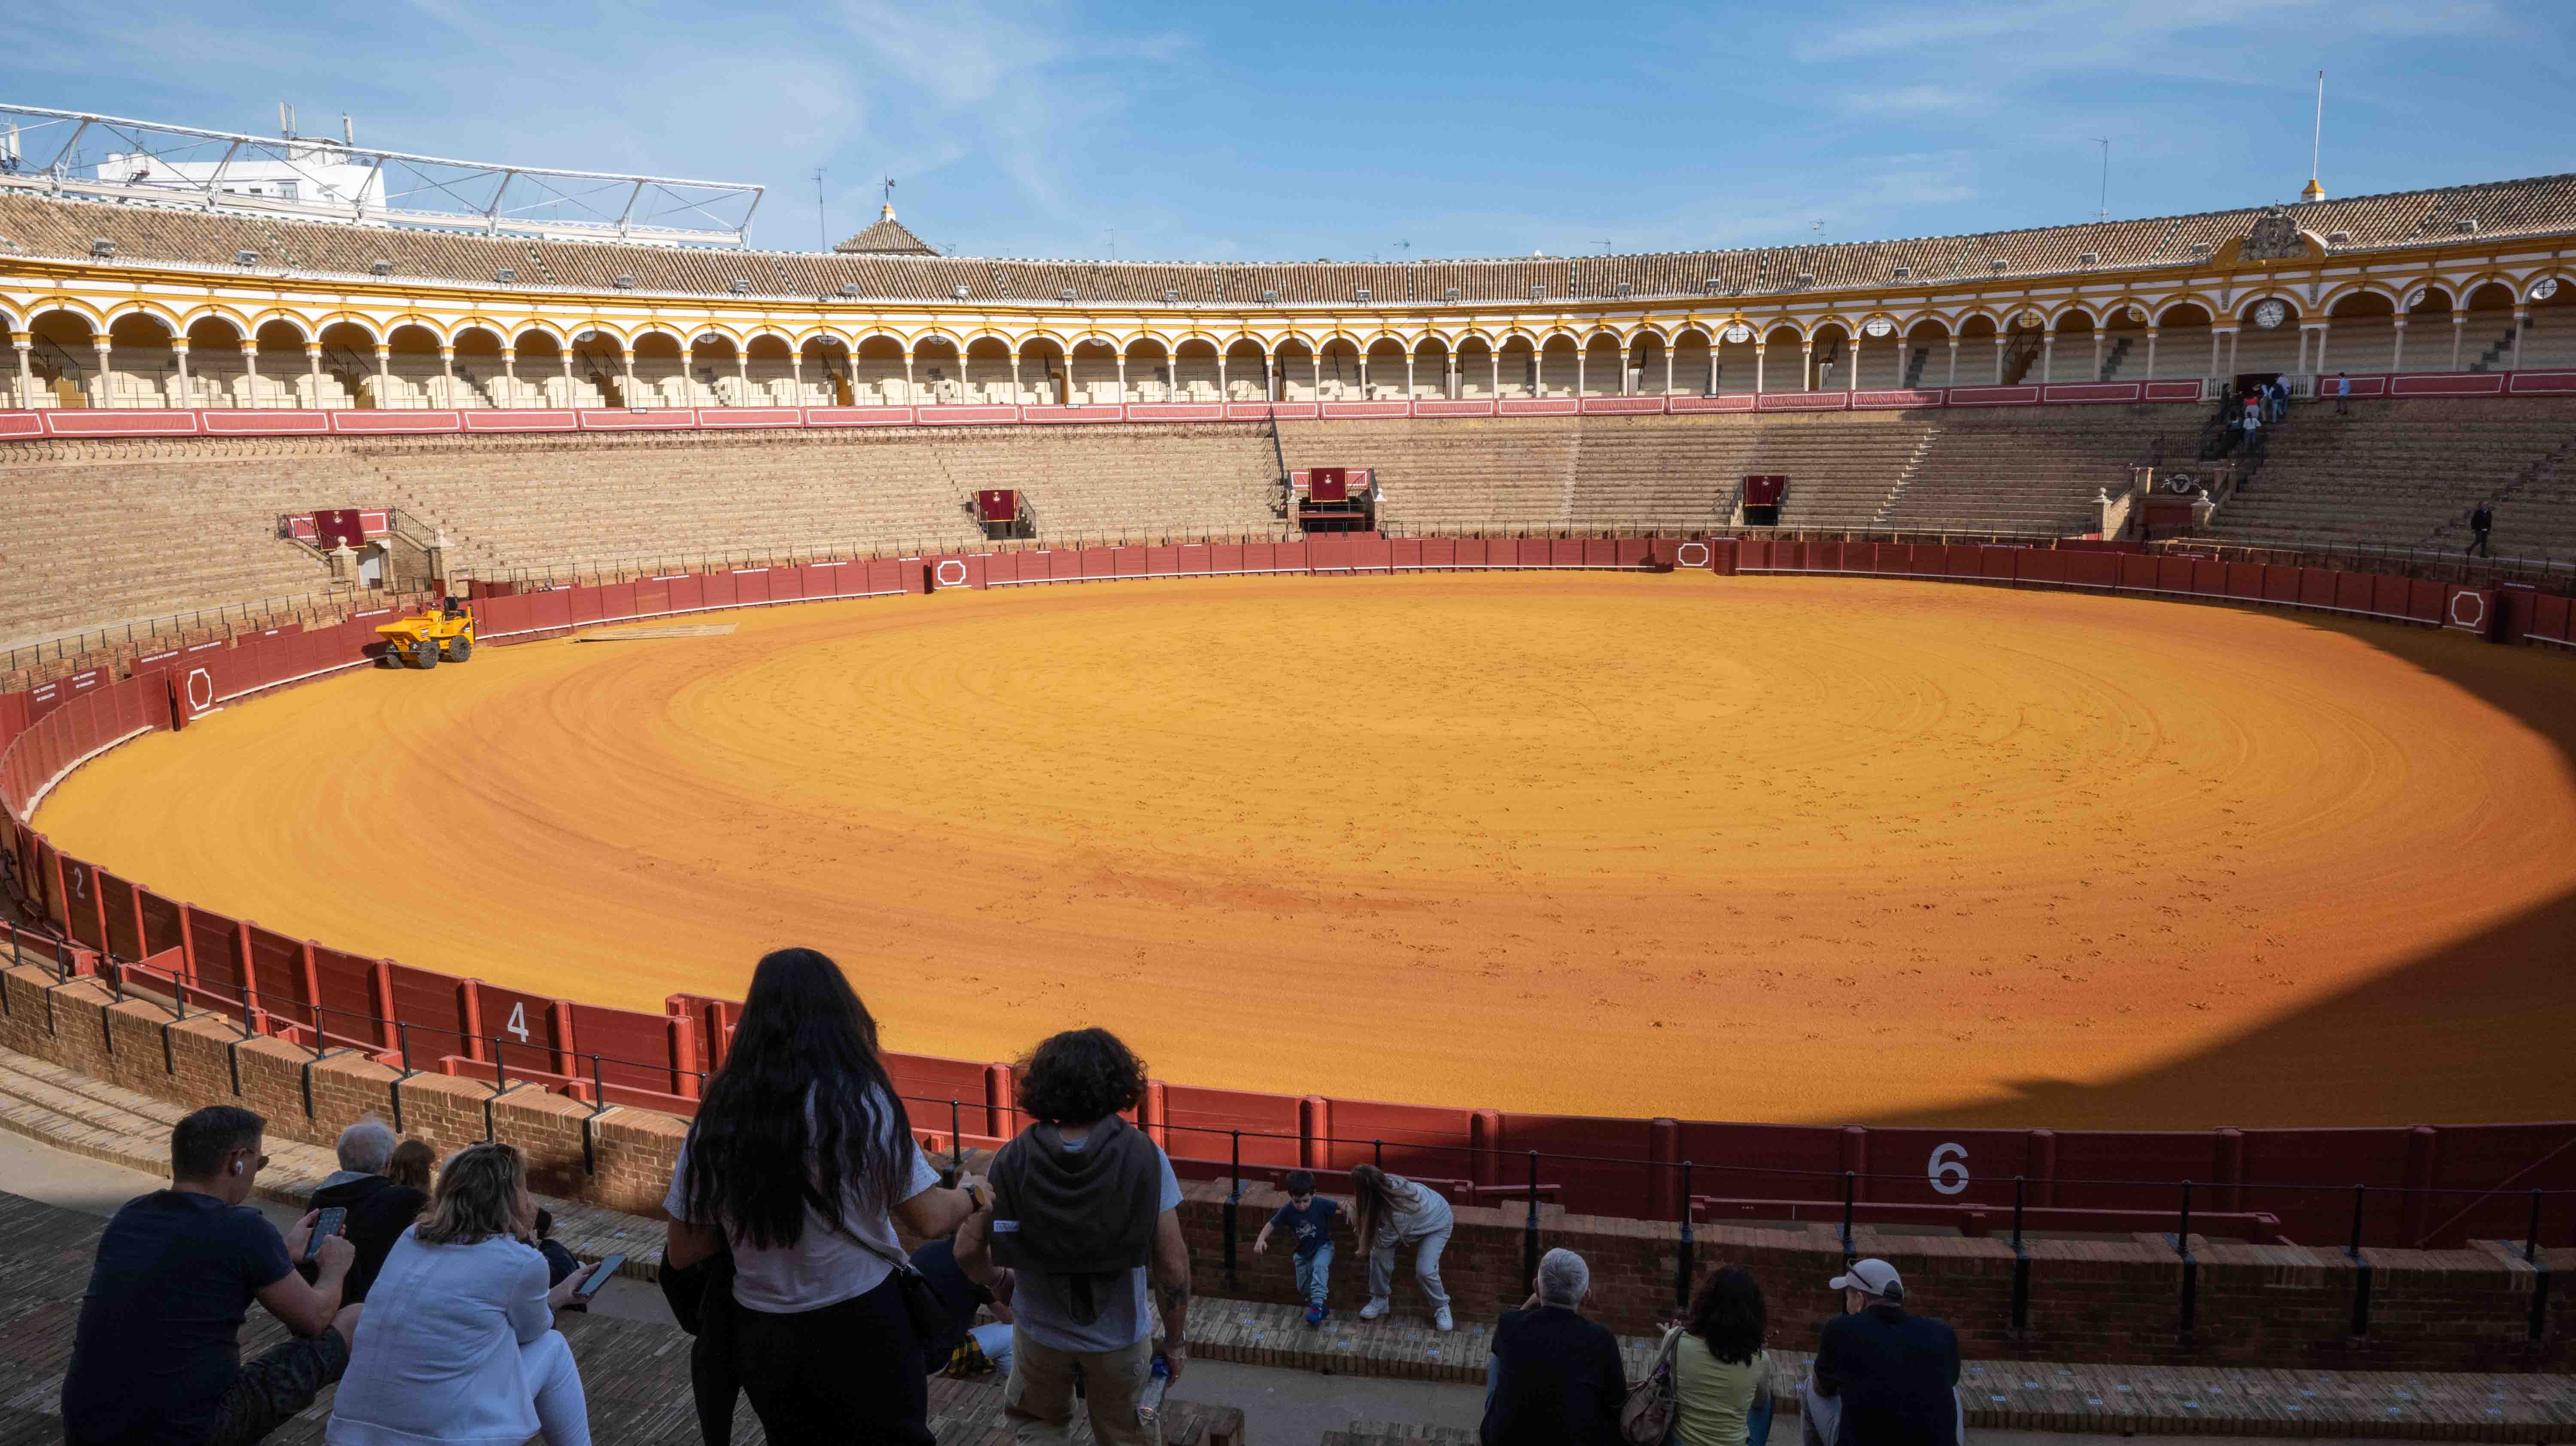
[(1949, 1172), (518, 1024)]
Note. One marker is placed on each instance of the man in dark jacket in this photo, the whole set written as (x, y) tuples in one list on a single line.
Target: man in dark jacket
[(1883, 1377), (2481, 522), (379, 1210), (1554, 1378)]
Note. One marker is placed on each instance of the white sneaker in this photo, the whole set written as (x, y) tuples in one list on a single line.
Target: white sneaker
[(1375, 1308), (1440, 1320)]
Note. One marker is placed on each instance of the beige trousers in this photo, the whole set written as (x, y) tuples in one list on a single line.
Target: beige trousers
[(1038, 1401)]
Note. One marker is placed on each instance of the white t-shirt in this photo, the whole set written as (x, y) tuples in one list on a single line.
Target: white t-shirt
[(825, 1266)]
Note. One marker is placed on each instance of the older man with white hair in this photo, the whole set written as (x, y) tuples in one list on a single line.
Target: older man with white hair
[(379, 1210), (1555, 1378), (1883, 1376)]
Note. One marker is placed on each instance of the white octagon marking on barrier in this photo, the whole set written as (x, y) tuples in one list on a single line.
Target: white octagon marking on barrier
[(201, 691), (1682, 555), (1949, 1172), (941, 575), (2476, 624)]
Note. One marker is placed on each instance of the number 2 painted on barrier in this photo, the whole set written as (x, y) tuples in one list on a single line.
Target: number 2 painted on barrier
[(1949, 1172), (518, 1024)]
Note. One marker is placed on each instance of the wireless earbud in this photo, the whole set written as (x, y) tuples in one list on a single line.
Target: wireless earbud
[(236, 1167)]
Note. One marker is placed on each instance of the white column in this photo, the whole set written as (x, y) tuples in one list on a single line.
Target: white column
[(98, 393), (2151, 353), (626, 376), (1807, 364), (1269, 377), (1497, 359), (510, 365), (2097, 353), (1954, 363), (1668, 369), (1408, 376), (385, 371), (2323, 328), (2000, 341), (1851, 380), (2231, 348), (1317, 358), (2397, 348), (1121, 360), (1016, 393), (742, 367), (26, 371), (2213, 351), (2459, 329), (1363, 365), (1578, 375), (250, 366), (2048, 356), (1220, 378), (2521, 318), (796, 372), (313, 368), (179, 354), (1759, 347), (907, 375)]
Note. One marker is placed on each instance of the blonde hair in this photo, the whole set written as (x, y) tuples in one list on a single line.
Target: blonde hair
[(482, 1192)]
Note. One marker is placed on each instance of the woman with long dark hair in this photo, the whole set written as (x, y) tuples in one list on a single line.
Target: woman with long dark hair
[(801, 1160), (1721, 1373), (1389, 1211)]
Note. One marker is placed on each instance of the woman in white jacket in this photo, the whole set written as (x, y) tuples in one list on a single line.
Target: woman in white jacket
[(458, 1344)]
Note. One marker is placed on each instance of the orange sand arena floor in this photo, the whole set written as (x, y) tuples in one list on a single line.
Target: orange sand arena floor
[(1788, 849)]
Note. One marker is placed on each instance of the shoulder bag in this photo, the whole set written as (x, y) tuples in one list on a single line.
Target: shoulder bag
[(1646, 1418)]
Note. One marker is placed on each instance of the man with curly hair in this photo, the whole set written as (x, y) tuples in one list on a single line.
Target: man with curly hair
[(1084, 1207)]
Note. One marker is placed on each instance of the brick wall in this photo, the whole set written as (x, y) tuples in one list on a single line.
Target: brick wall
[(2100, 1301)]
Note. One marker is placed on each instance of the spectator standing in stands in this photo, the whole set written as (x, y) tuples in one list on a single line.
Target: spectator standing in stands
[(1388, 1211), (2481, 522), (156, 1357), (801, 1160), (379, 1209), (1084, 1204), (1721, 1373), (461, 1344), (412, 1166), (1883, 1377), (1310, 1220), (1554, 1378), (2343, 395)]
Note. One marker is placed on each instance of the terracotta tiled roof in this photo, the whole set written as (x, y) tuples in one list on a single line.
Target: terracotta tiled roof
[(888, 262)]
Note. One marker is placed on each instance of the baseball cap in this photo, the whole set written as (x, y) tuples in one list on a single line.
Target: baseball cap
[(1871, 1277)]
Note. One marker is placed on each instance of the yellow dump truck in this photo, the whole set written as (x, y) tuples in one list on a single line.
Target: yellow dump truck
[(443, 632)]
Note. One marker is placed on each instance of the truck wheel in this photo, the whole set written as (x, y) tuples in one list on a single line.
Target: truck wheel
[(424, 654), (459, 648)]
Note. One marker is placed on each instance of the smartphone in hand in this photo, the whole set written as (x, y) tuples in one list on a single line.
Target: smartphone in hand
[(599, 1276), (326, 1224)]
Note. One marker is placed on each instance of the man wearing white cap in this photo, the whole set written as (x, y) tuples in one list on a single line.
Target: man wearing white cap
[(1883, 1377)]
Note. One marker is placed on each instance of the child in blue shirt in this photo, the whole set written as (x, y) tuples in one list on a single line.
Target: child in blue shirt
[(1311, 1221)]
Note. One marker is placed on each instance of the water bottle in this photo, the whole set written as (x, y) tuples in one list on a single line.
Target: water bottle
[(1149, 1401)]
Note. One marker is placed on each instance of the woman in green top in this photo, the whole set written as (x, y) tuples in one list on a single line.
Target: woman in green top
[(1721, 1374)]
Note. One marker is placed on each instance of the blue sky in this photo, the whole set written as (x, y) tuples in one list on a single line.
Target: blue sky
[(1300, 132)]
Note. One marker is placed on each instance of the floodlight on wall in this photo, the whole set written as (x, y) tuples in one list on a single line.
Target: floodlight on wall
[(1360, 293), (506, 275), (1270, 296), (625, 283), (102, 246), (380, 267), (1903, 272), (739, 286), (245, 258), (2465, 225), (1996, 263), (1171, 296), (1449, 295), (1806, 278), (1624, 289), (850, 288), (1710, 287), (1538, 293), (2090, 258), (957, 292), (1065, 295)]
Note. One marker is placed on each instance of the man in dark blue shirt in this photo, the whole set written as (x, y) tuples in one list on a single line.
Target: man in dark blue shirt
[(1883, 1377), (156, 1360), (1310, 1220)]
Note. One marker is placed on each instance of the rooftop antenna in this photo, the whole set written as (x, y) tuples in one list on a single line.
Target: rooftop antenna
[(822, 227), (285, 121), (2104, 214), (1605, 245), (2316, 146), (348, 132)]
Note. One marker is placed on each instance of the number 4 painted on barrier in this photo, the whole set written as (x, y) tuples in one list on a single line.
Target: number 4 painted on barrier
[(518, 1024)]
